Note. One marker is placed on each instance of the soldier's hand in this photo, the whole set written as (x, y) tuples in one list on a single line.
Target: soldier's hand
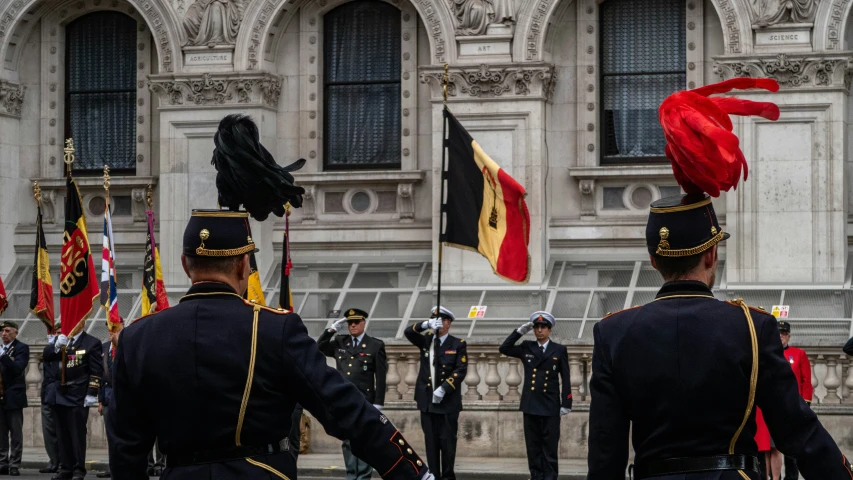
[(339, 324), (438, 395), (428, 476), (435, 323), (565, 411), (51, 339), (524, 328), (100, 409), (378, 407), (425, 325), (61, 341), (90, 401)]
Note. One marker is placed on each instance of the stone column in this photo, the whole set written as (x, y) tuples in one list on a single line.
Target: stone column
[(472, 379), (411, 374), (831, 381), (848, 382), (513, 380), (33, 376), (493, 380), (392, 380), (13, 173), (576, 375)]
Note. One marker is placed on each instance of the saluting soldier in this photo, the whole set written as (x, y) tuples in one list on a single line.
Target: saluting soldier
[(444, 363), (83, 371), (541, 400), (688, 391), (215, 378), (362, 359)]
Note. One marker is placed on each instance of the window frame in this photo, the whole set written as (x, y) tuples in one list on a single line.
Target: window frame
[(398, 165)]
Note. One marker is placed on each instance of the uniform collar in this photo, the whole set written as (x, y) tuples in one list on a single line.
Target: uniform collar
[(545, 345), (358, 338), (680, 288), (206, 289)]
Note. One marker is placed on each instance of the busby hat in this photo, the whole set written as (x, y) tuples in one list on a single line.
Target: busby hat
[(355, 315), (784, 326), (441, 312), (706, 159), (543, 318)]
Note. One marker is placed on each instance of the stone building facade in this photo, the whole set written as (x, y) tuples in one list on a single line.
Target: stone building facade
[(561, 93)]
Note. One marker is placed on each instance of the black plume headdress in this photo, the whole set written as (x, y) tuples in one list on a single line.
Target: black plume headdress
[(248, 175)]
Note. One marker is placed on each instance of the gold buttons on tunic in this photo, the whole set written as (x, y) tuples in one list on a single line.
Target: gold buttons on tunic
[(533, 388), (409, 450), (350, 364), (349, 373), (402, 442), (420, 463)]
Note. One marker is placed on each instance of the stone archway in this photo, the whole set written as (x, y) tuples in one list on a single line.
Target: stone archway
[(535, 17), (257, 31), (831, 23), (20, 16)]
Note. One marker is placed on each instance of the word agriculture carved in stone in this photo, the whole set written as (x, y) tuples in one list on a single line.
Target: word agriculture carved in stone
[(11, 98), (791, 71), (492, 81), (262, 89)]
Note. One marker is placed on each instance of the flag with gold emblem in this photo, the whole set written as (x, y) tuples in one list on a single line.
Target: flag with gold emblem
[(78, 280), (154, 298), (41, 291), (255, 292), (485, 209)]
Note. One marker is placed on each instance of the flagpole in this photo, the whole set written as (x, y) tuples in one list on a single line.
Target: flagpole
[(445, 81), (68, 158)]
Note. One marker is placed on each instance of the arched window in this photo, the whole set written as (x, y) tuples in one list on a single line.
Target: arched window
[(100, 93), (362, 86), (643, 60)]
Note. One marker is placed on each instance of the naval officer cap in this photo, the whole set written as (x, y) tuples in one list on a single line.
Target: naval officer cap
[(543, 318), (355, 315), (706, 159), (441, 312)]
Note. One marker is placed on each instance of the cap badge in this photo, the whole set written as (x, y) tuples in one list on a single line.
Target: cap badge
[(351, 312), (664, 236), (204, 234), (249, 239), (713, 230)]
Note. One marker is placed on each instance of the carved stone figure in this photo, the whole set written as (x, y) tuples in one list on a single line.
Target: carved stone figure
[(473, 17), (213, 22), (772, 12)]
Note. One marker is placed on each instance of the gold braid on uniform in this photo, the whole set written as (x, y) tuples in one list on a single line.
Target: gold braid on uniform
[(251, 376), (687, 252), (753, 378), (231, 252)]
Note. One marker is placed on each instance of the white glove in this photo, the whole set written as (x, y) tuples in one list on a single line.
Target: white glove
[(522, 330), (438, 395), (425, 325), (378, 407), (61, 341), (565, 411), (89, 401), (428, 476), (339, 324), (51, 338), (435, 323)]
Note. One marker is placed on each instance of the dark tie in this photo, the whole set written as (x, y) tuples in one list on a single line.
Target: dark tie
[(354, 342), (542, 349)]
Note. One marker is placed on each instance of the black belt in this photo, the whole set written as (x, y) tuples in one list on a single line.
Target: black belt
[(673, 466), (220, 455)]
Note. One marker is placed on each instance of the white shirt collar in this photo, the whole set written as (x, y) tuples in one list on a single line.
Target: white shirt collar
[(442, 339), (544, 344), (359, 338)]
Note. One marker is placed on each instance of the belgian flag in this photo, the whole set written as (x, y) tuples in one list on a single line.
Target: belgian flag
[(255, 291), (3, 302), (78, 282), (485, 210), (41, 292), (154, 298)]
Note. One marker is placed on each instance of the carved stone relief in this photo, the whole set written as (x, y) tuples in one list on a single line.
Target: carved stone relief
[(473, 17), (493, 81), (11, 98), (792, 71), (213, 22), (773, 12), (836, 20), (212, 89)]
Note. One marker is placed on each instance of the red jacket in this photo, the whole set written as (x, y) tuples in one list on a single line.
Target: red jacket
[(802, 370)]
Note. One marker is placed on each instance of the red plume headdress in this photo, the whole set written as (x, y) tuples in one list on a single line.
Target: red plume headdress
[(705, 154)]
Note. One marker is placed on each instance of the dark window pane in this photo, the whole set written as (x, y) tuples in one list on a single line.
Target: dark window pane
[(101, 90), (362, 85), (643, 60)]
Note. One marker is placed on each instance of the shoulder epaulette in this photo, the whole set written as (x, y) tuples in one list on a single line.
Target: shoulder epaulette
[(462, 340), (620, 311), (277, 311), (754, 309)]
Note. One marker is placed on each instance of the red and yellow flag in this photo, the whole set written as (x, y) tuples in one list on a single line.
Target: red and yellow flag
[(154, 298), (485, 209), (78, 281), (3, 302), (255, 291), (41, 292)]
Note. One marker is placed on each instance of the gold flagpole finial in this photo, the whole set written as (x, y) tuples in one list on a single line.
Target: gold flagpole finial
[(37, 192), (69, 154), (148, 198), (445, 80), (287, 207), (107, 180)]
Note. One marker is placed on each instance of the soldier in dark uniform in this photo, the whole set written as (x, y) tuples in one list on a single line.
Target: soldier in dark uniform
[(83, 371), (444, 363), (688, 391), (106, 392), (14, 356), (50, 378), (361, 358), (215, 378), (543, 405)]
